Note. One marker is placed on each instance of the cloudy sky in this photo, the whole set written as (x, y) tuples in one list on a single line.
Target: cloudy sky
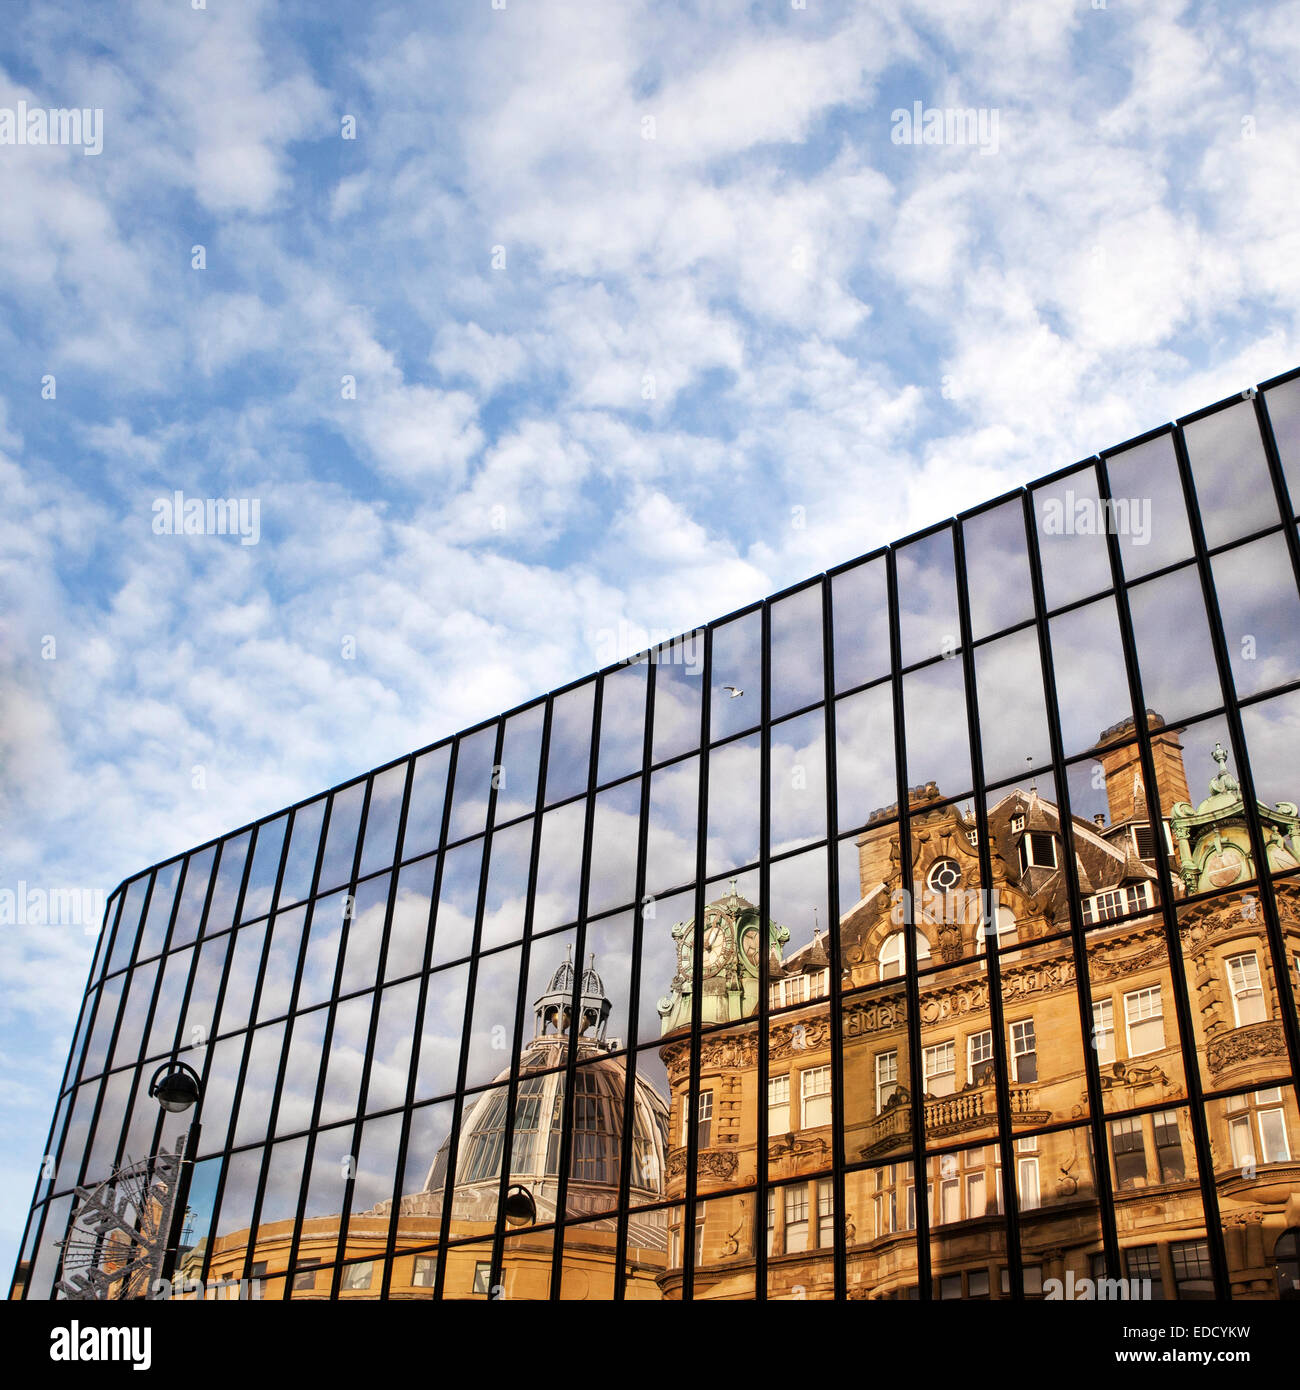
[(535, 330)]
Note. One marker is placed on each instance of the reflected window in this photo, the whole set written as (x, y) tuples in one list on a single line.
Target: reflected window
[(1024, 1051), (358, 1276), (979, 1058), (1027, 1187), (1103, 1029), (1269, 1123), (815, 1094), (778, 1104), (482, 1277), (1143, 1262), (796, 1219), (944, 876), (825, 1213), (425, 1272), (1144, 1020), (1247, 988), (704, 1129), (1169, 1146), (305, 1275), (1037, 850), (893, 956), (940, 1069), (1115, 902), (886, 1079), (1130, 1154), (1192, 1274)]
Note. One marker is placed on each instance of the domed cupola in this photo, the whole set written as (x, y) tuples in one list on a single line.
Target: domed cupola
[(552, 1010)]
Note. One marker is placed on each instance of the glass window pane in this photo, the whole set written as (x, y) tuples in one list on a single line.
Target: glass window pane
[(622, 721), (1013, 715), (267, 853), (736, 701), (424, 815), (1147, 507), (1284, 414), (1091, 680), (383, 818), (568, 760), (304, 845), (341, 837), (997, 569), (1072, 527), (679, 684), (474, 772), (1256, 587), (927, 598), (230, 875), (798, 675), (938, 738), (1233, 488), (861, 614), (520, 756)]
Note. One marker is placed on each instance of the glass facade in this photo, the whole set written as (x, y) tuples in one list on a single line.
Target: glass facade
[(928, 931)]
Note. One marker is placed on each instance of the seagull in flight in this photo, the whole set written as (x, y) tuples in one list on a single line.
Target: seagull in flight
[(734, 691)]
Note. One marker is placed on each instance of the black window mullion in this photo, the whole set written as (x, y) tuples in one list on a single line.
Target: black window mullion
[(988, 924), (835, 980), (1078, 933), (209, 1047), (349, 1185), (916, 1076), (691, 1099), (634, 1002), (1168, 910), (323, 1069), (575, 1008), (1285, 505), (521, 1002), (128, 981), (453, 1141), (761, 1195), (413, 1072)]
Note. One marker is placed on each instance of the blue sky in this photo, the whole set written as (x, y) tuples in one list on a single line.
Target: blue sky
[(648, 317)]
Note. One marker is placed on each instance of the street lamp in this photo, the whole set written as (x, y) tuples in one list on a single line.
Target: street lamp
[(176, 1086), (521, 1209)]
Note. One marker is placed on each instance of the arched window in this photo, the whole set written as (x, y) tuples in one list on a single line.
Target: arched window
[(892, 957)]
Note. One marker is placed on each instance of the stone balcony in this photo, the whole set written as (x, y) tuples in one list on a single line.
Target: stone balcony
[(1234, 1055), (975, 1108)]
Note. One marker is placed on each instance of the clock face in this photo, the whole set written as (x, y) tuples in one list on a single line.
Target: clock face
[(1225, 866), (749, 946)]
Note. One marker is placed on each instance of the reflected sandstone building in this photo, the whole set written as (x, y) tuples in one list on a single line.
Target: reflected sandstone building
[(982, 1003)]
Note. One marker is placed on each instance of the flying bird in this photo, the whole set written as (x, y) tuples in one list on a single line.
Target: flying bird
[(734, 691)]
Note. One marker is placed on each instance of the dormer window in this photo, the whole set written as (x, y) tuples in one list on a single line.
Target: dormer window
[(1037, 851), (1017, 824), (973, 837)]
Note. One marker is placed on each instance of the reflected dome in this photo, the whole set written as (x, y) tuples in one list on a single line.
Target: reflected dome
[(600, 1088)]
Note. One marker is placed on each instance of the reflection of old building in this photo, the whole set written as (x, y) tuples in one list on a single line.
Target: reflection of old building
[(592, 1190), (1131, 1023)]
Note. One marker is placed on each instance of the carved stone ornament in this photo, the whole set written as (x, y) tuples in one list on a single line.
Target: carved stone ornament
[(716, 1163), (1255, 1041)]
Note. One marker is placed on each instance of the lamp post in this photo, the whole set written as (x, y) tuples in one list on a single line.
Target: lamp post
[(176, 1086), (520, 1208)]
